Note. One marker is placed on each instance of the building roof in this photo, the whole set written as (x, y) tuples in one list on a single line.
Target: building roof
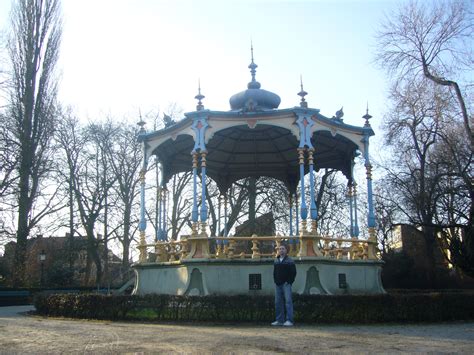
[(256, 139), (254, 98)]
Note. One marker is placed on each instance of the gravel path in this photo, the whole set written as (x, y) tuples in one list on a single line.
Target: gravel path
[(21, 333)]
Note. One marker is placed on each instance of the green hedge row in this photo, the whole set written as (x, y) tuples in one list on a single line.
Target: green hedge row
[(432, 307)]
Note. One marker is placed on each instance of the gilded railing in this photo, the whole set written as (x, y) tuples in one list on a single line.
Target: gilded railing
[(257, 247)]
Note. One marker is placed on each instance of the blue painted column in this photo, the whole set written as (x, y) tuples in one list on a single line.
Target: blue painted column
[(355, 225), (203, 192), (219, 203), (297, 222), (164, 235), (290, 201), (303, 208), (161, 233), (194, 214), (368, 167), (199, 127), (304, 124), (292, 238), (142, 247), (356, 222), (158, 202), (142, 224), (351, 211), (313, 207), (225, 216), (159, 196)]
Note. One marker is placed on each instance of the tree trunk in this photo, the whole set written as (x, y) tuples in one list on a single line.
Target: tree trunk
[(429, 234), (71, 230), (92, 256), (126, 243), (459, 96), (33, 50), (105, 256), (23, 227)]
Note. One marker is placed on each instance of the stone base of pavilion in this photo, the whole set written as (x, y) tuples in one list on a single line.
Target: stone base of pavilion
[(203, 266)]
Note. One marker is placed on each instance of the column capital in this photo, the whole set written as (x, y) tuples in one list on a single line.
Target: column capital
[(304, 122), (142, 247), (310, 156), (142, 176), (301, 155), (349, 191), (368, 169), (203, 158), (199, 127)]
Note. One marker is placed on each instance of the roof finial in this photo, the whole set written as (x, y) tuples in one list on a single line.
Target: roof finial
[(199, 97), (141, 123), (252, 66), (339, 114), (367, 117), (302, 93), (251, 49)]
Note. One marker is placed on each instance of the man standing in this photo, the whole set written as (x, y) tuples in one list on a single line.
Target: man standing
[(284, 273)]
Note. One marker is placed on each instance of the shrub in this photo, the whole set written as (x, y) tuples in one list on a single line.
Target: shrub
[(397, 307)]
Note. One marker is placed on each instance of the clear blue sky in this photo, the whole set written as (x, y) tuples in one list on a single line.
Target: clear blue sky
[(119, 56)]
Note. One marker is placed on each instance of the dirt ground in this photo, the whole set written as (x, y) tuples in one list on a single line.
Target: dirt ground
[(22, 333)]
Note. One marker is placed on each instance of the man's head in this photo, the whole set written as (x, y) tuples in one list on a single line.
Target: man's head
[(282, 250)]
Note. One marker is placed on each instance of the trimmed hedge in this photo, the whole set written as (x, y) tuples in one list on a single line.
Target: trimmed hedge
[(431, 307)]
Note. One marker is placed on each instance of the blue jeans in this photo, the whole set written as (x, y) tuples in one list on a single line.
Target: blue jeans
[(283, 301)]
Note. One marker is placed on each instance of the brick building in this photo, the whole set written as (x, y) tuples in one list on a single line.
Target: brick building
[(411, 240), (58, 261)]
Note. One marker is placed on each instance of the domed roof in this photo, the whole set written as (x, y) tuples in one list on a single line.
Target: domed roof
[(254, 98)]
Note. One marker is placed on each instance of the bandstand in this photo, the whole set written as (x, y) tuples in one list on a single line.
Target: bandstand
[(256, 139)]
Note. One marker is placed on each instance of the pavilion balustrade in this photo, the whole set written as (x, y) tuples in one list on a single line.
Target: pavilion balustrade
[(256, 248)]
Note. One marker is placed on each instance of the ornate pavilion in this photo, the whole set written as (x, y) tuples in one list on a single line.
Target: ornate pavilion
[(253, 139)]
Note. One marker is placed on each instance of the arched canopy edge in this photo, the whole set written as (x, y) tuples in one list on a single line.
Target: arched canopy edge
[(256, 144)]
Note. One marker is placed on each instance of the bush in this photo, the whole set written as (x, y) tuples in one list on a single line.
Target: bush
[(398, 271), (413, 307)]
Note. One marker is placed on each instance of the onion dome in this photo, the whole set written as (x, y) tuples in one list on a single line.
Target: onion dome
[(254, 98)]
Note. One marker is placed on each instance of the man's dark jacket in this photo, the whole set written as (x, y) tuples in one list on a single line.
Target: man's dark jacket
[(284, 270)]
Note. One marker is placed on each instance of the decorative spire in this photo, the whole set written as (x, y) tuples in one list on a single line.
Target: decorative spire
[(252, 66), (367, 117), (339, 114), (141, 123), (302, 93), (199, 97)]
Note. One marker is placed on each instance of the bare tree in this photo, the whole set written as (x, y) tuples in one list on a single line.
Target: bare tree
[(455, 204), (180, 198), (90, 181), (333, 211), (33, 51), (434, 40), (430, 172), (386, 213), (124, 156), (272, 196), (237, 205), (8, 160), (69, 142)]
